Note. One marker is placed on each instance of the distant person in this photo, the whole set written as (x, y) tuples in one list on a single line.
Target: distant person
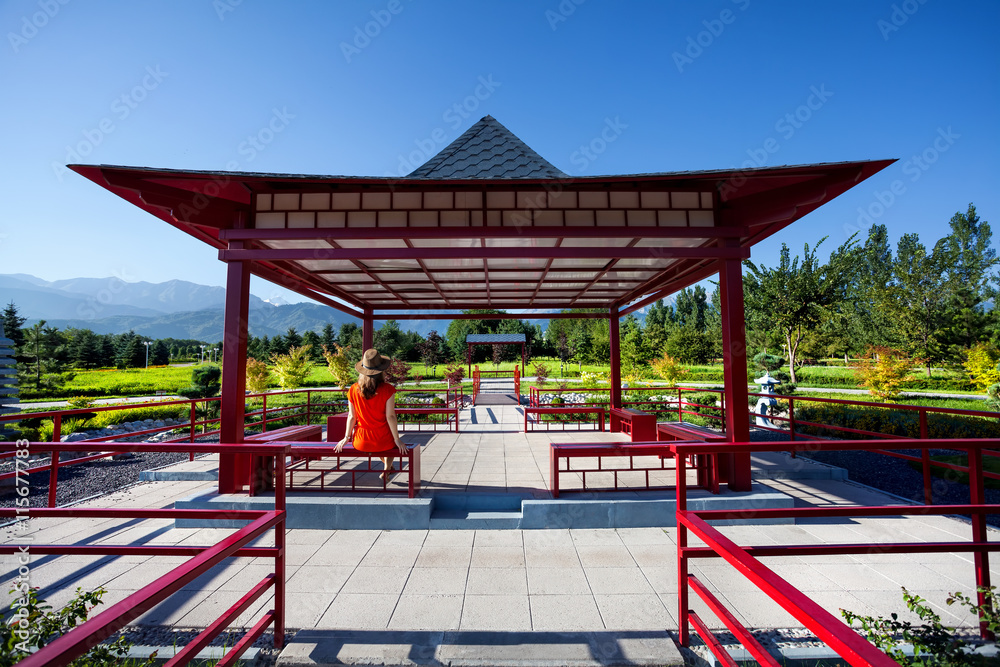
[(371, 406)]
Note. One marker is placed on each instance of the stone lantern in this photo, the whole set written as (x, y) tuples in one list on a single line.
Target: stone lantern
[(8, 383), (766, 404)]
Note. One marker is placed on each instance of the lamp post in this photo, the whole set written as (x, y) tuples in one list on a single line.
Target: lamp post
[(147, 343), (203, 353)]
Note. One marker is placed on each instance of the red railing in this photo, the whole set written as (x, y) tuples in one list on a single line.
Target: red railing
[(81, 639), (680, 406), (517, 383), (827, 627), (475, 384)]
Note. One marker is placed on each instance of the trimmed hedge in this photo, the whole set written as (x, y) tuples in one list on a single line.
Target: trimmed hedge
[(889, 421)]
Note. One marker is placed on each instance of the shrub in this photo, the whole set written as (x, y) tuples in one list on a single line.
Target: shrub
[(669, 369), (933, 643), (45, 625), (593, 379), (981, 365), (339, 366), (767, 362), (204, 382), (258, 376), (889, 421), (397, 372), (541, 373), (112, 417), (454, 373), (293, 368), (883, 370)]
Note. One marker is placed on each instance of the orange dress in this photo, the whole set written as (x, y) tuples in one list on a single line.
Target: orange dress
[(372, 433)]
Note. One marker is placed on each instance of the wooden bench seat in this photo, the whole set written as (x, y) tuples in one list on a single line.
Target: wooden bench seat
[(641, 426), (571, 450), (452, 413), (707, 465), (305, 458), (576, 410), (262, 468)]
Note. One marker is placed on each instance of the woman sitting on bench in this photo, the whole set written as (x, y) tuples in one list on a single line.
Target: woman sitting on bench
[(371, 406)]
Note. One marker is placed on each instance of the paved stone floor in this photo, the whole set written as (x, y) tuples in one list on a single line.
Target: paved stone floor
[(506, 580)]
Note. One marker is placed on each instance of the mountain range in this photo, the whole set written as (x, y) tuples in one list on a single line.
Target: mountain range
[(172, 309)]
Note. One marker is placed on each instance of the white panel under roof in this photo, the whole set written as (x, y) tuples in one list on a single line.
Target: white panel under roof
[(521, 242), (554, 285), (439, 200), (326, 264), (701, 218), (610, 242), (293, 244), (353, 277), (370, 243), (647, 262), (407, 199), (377, 264), (579, 262), (670, 243), (454, 263), (460, 275), (573, 275), (516, 263), (626, 275), (446, 243), (511, 295), (685, 199)]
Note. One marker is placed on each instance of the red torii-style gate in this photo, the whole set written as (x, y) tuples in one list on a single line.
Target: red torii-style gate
[(487, 223), (493, 339)]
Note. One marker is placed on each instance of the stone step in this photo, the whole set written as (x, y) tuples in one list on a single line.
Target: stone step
[(465, 520), (483, 648)]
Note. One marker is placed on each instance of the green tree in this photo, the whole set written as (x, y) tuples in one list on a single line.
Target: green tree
[(12, 323), (205, 382), (794, 296), (292, 369), (129, 351), (312, 339), (969, 261), (633, 349), (388, 338), (350, 336), (159, 355), (292, 339), (919, 298), (432, 349), (327, 337)]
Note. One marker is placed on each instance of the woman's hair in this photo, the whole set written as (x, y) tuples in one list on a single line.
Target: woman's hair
[(369, 384)]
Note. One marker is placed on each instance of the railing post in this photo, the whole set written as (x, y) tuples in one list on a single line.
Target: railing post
[(308, 406), (791, 419), (263, 416), (925, 458), (279, 543), (193, 419), (682, 564), (977, 495), (680, 403), (57, 427), (53, 476)]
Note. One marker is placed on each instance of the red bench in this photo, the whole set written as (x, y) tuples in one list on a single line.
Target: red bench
[(571, 450), (638, 424), (304, 456), (262, 468), (547, 410), (452, 413), (707, 465)]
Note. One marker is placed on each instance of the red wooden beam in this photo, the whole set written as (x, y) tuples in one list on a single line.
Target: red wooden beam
[(281, 234), (488, 253)]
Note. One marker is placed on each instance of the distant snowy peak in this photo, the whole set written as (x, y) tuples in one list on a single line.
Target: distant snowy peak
[(276, 301)]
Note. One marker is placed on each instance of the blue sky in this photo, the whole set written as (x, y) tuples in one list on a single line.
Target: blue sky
[(375, 88)]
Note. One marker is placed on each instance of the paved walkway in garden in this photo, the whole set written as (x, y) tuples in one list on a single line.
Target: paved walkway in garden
[(506, 581)]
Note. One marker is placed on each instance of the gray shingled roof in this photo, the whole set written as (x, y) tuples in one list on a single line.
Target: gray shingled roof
[(487, 150), (495, 338)]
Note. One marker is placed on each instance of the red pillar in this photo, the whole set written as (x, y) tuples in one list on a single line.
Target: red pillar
[(368, 331), (616, 360), (234, 470), (734, 363)]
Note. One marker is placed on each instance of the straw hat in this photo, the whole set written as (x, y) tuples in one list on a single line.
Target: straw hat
[(372, 363)]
